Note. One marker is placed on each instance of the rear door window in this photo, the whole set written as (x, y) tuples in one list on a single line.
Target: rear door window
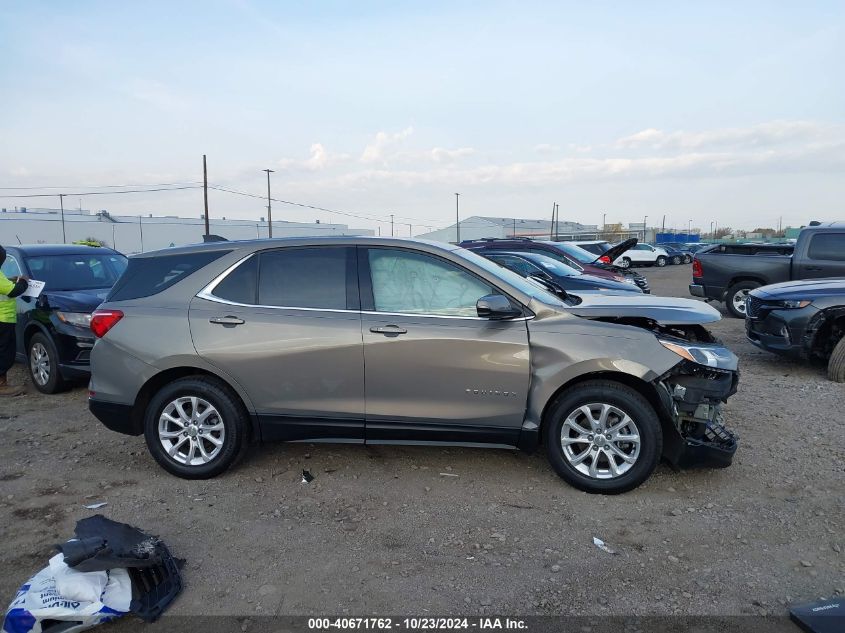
[(312, 277), (147, 276), (240, 285), (827, 246)]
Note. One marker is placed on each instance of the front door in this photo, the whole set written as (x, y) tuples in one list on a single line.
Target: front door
[(285, 325), (435, 371)]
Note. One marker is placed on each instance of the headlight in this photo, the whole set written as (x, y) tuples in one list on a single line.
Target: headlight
[(79, 319), (793, 303), (707, 355), (628, 280)]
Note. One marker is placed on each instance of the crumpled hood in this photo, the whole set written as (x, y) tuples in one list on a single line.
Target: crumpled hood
[(614, 252), (663, 310), (75, 300), (807, 289)]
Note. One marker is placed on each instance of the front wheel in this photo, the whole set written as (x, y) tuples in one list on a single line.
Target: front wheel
[(676, 260), (43, 362), (196, 428), (661, 261), (603, 437), (737, 296), (687, 259)]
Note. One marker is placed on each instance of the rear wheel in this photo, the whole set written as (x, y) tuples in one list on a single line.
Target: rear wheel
[(737, 296), (676, 259), (836, 364), (661, 261), (196, 428), (43, 363), (603, 437), (625, 263), (688, 259)]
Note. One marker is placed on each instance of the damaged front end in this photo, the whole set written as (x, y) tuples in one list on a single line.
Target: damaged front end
[(692, 394)]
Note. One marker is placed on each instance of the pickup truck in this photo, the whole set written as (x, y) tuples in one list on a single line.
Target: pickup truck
[(728, 272)]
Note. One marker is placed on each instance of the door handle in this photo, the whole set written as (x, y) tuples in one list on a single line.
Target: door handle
[(226, 320), (389, 330)]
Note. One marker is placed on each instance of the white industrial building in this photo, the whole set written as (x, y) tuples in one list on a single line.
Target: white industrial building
[(478, 227), (134, 234)]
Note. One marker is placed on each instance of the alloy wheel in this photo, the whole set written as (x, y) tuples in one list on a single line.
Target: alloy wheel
[(39, 364), (191, 431), (739, 299), (600, 441)]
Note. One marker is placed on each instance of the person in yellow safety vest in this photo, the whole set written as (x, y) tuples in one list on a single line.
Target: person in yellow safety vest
[(9, 289)]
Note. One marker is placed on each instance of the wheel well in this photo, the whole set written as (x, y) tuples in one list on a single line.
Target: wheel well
[(737, 280), (154, 384), (645, 389), (28, 333), (826, 332)]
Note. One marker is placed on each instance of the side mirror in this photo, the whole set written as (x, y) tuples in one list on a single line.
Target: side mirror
[(497, 307)]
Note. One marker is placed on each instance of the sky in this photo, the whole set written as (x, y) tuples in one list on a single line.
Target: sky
[(731, 112)]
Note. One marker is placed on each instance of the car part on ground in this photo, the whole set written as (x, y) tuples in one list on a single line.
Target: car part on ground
[(262, 340), (802, 319)]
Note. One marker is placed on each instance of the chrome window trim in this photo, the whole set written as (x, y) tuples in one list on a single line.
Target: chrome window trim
[(207, 293)]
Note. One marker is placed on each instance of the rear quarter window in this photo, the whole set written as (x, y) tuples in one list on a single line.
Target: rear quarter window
[(148, 276)]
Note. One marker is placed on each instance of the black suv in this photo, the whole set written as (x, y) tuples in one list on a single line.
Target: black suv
[(570, 254), (804, 319), (54, 338)]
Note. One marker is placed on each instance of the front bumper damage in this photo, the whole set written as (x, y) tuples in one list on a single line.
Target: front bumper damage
[(694, 433)]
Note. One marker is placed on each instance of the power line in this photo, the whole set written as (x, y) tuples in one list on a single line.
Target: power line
[(155, 184), (99, 193)]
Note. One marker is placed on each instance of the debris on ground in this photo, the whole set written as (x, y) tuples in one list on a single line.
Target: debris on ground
[(600, 544), (448, 475), (109, 569), (307, 477), (96, 506)]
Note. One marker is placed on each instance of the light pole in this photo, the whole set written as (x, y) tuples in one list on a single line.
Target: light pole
[(604, 222), (269, 205), (457, 219), (205, 193), (689, 228), (391, 225), (645, 221), (62, 205)]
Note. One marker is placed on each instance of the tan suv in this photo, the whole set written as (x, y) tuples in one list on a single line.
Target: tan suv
[(385, 341)]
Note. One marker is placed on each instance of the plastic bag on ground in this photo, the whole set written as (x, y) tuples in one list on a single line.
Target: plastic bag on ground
[(40, 602)]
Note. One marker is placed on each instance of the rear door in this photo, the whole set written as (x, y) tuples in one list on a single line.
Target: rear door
[(435, 371), (824, 257), (285, 324)]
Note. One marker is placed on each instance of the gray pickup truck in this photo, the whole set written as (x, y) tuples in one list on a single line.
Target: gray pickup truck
[(728, 272)]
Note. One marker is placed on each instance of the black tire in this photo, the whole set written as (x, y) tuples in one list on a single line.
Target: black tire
[(629, 402), (676, 260), (42, 346), (736, 296), (661, 261), (836, 364), (231, 413), (687, 259), (625, 263)]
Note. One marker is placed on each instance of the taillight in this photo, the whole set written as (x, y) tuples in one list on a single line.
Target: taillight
[(604, 259), (697, 270), (104, 320)]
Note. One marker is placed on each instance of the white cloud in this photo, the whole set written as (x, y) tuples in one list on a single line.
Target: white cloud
[(320, 159), (764, 134), (441, 155), (546, 148), (381, 147)]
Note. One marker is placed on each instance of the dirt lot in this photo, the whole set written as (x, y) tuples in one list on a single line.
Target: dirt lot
[(383, 530)]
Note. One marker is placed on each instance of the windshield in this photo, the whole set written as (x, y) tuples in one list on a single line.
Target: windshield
[(554, 266), (77, 272), (520, 283), (576, 252)]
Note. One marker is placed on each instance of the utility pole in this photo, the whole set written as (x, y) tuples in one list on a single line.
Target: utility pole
[(689, 228), (604, 222), (62, 205), (141, 229), (645, 224), (269, 205), (391, 225), (514, 228), (663, 226), (457, 219), (552, 225), (712, 234), (410, 230), (205, 193)]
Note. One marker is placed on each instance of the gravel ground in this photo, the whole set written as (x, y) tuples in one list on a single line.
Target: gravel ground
[(416, 530)]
